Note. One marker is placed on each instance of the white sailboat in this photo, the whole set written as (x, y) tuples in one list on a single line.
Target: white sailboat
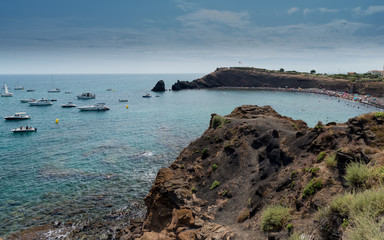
[(54, 90), (6, 92)]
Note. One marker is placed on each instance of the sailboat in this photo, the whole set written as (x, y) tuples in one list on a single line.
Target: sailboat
[(6, 92), (53, 90)]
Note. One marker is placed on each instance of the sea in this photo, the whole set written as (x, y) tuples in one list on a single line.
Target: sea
[(79, 166)]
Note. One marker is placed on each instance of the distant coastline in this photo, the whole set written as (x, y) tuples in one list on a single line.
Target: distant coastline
[(257, 78)]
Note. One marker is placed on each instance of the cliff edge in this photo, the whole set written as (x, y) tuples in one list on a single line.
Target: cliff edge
[(254, 77), (227, 183)]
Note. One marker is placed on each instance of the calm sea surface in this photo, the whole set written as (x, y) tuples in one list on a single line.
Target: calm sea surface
[(92, 163)]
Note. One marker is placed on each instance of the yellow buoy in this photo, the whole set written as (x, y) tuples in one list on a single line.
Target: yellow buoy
[(127, 106), (57, 120)]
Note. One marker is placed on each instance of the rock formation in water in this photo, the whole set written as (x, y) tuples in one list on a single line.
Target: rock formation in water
[(159, 87), (254, 77), (224, 184)]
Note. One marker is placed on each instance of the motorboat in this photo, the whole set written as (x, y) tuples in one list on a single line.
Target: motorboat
[(18, 116), (18, 88), (147, 95), (109, 89), (123, 100), (24, 129), (55, 90), (41, 102), (27, 100), (69, 105), (31, 90), (6, 92), (95, 107), (86, 95)]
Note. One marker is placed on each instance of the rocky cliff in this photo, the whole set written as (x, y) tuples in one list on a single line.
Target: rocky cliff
[(253, 77), (159, 87), (246, 164)]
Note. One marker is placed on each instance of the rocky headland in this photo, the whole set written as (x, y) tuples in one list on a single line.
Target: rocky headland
[(262, 78), (255, 174)]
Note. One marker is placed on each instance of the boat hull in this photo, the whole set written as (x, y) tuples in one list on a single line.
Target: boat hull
[(18, 130)]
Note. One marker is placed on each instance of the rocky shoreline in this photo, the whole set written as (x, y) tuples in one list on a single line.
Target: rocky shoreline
[(262, 78)]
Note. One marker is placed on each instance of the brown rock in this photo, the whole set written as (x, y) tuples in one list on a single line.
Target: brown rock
[(187, 235), (181, 217)]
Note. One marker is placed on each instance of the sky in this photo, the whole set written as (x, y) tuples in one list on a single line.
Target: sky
[(185, 36)]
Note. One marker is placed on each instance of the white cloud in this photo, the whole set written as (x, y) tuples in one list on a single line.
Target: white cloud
[(319, 10), (207, 16), (369, 11), (184, 5), (292, 10)]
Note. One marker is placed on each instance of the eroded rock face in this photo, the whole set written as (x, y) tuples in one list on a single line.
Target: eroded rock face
[(244, 162), (159, 87)]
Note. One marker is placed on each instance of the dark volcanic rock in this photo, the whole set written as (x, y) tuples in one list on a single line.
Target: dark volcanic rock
[(254, 77), (159, 87), (257, 158)]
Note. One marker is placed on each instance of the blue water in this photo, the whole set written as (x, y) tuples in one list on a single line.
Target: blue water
[(92, 163)]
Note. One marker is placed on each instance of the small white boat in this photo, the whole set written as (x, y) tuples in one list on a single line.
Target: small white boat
[(68, 105), (6, 92), (55, 90), (41, 102), (18, 88), (86, 95), (24, 129), (123, 100), (31, 90), (27, 100), (109, 89), (95, 107), (18, 116), (147, 95)]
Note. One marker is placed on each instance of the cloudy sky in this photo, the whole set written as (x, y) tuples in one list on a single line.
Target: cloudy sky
[(177, 36)]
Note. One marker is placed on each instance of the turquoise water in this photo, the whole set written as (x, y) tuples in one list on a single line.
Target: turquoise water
[(92, 163)]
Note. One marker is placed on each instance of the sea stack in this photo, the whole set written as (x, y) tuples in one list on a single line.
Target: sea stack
[(159, 87)]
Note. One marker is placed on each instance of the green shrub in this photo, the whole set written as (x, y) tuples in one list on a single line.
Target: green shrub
[(289, 227), (217, 121), (357, 174), (293, 174), (319, 125), (360, 213), (379, 114), (314, 171), (214, 166), (321, 156), (214, 185), (204, 153), (330, 161), (274, 218), (312, 187)]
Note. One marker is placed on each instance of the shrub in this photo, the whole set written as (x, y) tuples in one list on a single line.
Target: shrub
[(214, 166), (314, 171), (379, 115), (321, 156), (360, 212), (289, 227), (217, 121), (274, 218), (330, 161), (357, 174), (204, 153), (312, 187), (214, 185), (319, 125)]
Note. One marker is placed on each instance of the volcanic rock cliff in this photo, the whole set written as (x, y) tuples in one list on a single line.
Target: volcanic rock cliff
[(225, 183), (254, 77)]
